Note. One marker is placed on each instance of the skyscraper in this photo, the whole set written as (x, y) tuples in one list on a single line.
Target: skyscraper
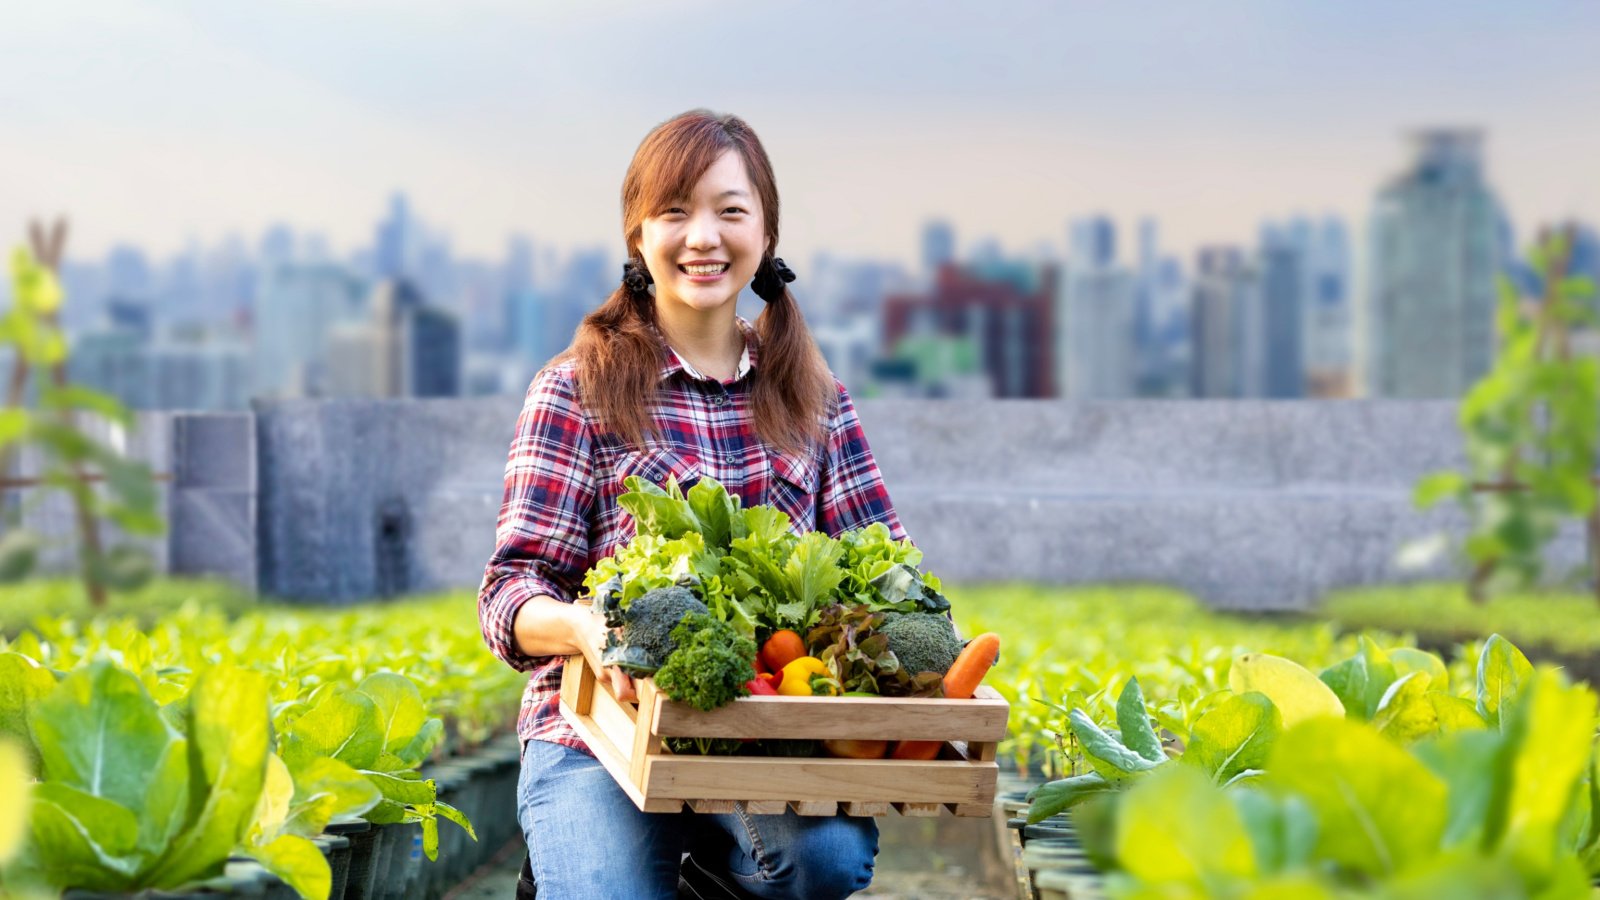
[(1228, 329), (1285, 262), (1096, 340), (938, 246), (1435, 256), (298, 307)]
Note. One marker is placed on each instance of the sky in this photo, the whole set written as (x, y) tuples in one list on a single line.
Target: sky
[(165, 123)]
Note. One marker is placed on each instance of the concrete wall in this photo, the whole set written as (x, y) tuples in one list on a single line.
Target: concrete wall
[(1248, 504)]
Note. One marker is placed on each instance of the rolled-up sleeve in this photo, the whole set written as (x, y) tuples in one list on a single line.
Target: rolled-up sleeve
[(851, 493), (542, 535)]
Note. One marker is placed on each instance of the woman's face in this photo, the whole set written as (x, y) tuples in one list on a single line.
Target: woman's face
[(705, 247)]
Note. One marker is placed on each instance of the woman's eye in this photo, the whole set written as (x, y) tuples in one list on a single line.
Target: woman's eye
[(733, 209), (675, 211)]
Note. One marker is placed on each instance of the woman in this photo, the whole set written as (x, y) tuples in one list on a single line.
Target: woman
[(664, 379)]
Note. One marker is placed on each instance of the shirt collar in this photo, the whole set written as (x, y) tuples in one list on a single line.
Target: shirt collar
[(747, 358)]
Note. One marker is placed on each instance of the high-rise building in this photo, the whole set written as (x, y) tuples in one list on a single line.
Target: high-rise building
[(1328, 325), (1436, 253), (1284, 261), (298, 307), (404, 349), (1227, 325), (1097, 340)]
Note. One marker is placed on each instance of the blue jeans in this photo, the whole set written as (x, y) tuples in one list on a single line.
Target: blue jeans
[(586, 840)]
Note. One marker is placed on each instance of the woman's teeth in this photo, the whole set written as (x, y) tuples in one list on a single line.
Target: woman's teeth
[(704, 270)]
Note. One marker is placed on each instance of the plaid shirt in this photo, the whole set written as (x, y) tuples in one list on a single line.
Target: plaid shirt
[(560, 514)]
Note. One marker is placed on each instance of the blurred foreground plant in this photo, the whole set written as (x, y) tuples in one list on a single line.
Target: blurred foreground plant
[(72, 459), (1532, 427)]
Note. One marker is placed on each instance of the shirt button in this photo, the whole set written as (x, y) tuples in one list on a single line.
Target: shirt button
[(730, 458), (718, 400)]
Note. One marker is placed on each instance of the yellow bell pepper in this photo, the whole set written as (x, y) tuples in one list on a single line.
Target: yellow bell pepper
[(808, 677)]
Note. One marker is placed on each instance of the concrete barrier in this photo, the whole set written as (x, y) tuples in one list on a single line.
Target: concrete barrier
[(1248, 504)]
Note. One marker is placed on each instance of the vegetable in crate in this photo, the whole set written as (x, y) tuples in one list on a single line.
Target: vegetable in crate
[(850, 641), (648, 635), (711, 665), (923, 642)]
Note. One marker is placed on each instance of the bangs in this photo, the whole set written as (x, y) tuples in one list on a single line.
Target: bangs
[(671, 161)]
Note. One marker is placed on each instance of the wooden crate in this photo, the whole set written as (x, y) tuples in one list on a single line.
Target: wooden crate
[(626, 737)]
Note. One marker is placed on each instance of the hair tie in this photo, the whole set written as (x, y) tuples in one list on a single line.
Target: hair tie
[(636, 277), (771, 278)]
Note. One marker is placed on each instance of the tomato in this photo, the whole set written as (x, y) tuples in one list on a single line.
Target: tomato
[(853, 749), (759, 686), (915, 750), (782, 648)]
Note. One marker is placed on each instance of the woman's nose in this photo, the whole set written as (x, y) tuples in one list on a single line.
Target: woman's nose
[(704, 233)]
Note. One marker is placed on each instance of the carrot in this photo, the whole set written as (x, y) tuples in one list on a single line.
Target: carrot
[(969, 668)]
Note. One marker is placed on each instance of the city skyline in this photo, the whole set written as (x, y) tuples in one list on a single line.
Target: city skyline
[(159, 124)]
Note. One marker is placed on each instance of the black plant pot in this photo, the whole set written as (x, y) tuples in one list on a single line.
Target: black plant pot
[(363, 856), (336, 849)]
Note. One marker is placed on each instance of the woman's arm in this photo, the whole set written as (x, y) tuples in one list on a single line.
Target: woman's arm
[(545, 626)]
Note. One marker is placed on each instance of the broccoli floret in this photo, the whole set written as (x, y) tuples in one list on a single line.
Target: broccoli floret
[(646, 639), (711, 665), (923, 642)]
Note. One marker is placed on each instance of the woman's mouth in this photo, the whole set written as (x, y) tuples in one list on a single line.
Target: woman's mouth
[(704, 273)]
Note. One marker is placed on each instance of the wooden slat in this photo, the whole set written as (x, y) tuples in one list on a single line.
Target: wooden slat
[(764, 807), (645, 744), (920, 810), (873, 718), (972, 810), (608, 754), (615, 718), (976, 751), (864, 808), (713, 806), (838, 780), (577, 684), (814, 807)]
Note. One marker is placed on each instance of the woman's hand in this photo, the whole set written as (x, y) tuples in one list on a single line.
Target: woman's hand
[(592, 633), (545, 626)]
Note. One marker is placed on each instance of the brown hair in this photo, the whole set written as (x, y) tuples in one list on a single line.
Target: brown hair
[(616, 348)]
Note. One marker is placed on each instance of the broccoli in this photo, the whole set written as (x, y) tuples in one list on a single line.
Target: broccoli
[(646, 639), (923, 642), (711, 664)]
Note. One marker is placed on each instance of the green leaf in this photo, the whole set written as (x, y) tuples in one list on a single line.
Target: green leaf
[(1409, 659), (430, 838), (325, 789), (1178, 827), (813, 571), (99, 732), (16, 781), (1282, 830), (663, 513), (1467, 762), (716, 512), (1551, 729), (1106, 754), (1380, 809), (1234, 736), (445, 810), (410, 791), (1439, 486), (1406, 713), (1297, 693), (344, 725), (19, 553), (387, 812), (23, 683), (1133, 721), (74, 396), (1054, 797), (84, 841), (417, 750), (13, 425), (1502, 670), (298, 862), (401, 713), (277, 794), (1455, 713), (228, 719)]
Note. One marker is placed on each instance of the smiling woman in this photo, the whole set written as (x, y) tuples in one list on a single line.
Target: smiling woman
[(665, 381)]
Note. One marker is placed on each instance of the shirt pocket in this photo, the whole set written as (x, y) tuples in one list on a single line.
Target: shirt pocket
[(657, 465), (792, 487)]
